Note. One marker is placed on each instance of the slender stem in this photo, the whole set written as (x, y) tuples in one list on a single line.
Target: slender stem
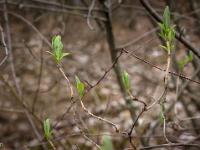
[(68, 82), (51, 144), (97, 117)]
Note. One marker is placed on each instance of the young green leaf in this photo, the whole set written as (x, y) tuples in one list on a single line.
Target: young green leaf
[(80, 87), (183, 62), (166, 17), (161, 117), (190, 56), (65, 54), (47, 128), (162, 110), (125, 80), (57, 47), (107, 143), (57, 43), (167, 32)]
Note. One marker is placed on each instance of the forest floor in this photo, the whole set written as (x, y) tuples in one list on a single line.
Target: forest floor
[(89, 59)]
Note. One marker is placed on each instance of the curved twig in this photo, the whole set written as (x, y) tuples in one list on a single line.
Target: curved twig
[(90, 14), (4, 45), (185, 42)]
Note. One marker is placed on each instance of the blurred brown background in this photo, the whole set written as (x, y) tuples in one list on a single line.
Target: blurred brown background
[(32, 89)]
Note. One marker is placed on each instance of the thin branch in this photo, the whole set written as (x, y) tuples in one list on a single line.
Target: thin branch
[(90, 13), (30, 25), (171, 145), (97, 117), (9, 41), (66, 6), (163, 70), (27, 112), (108, 70), (154, 14), (64, 114), (4, 46), (68, 82), (137, 118), (61, 10), (39, 82), (135, 40), (17, 98)]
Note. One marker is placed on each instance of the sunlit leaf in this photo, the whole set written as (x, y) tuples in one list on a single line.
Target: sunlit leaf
[(57, 47), (125, 80), (80, 87), (65, 54), (57, 43), (167, 32), (47, 128), (166, 17)]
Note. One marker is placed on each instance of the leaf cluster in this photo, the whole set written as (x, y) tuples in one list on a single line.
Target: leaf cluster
[(167, 32), (183, 62), (57, 47), (47, 129)]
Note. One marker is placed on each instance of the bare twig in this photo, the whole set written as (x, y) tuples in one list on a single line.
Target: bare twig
[(90, 13), (30, 25), (108, 70), (25, 110), (135, 40), (9, 40), (82, 132), (63, 115), (60, 10), (163, 70), (113, 54), (68, 82), (39, 82), (4, 46), (97, 117), (137, 118), (171, 145)]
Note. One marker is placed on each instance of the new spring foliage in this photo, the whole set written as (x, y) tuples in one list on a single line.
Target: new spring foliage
[(79, 86), (47, 129), (125, 80), (185, 61), (57, 47), (167, 32), (107, 143)]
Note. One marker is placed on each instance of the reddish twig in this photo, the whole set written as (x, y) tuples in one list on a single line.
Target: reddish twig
[(163, 70), (137, 118), (108, 70)]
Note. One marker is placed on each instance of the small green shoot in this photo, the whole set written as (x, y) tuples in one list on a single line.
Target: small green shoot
[(126, 81), (167, 32), (47, 129), (162, 111), (80, 87), (183, 62), (57, 47), (107, 143)]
